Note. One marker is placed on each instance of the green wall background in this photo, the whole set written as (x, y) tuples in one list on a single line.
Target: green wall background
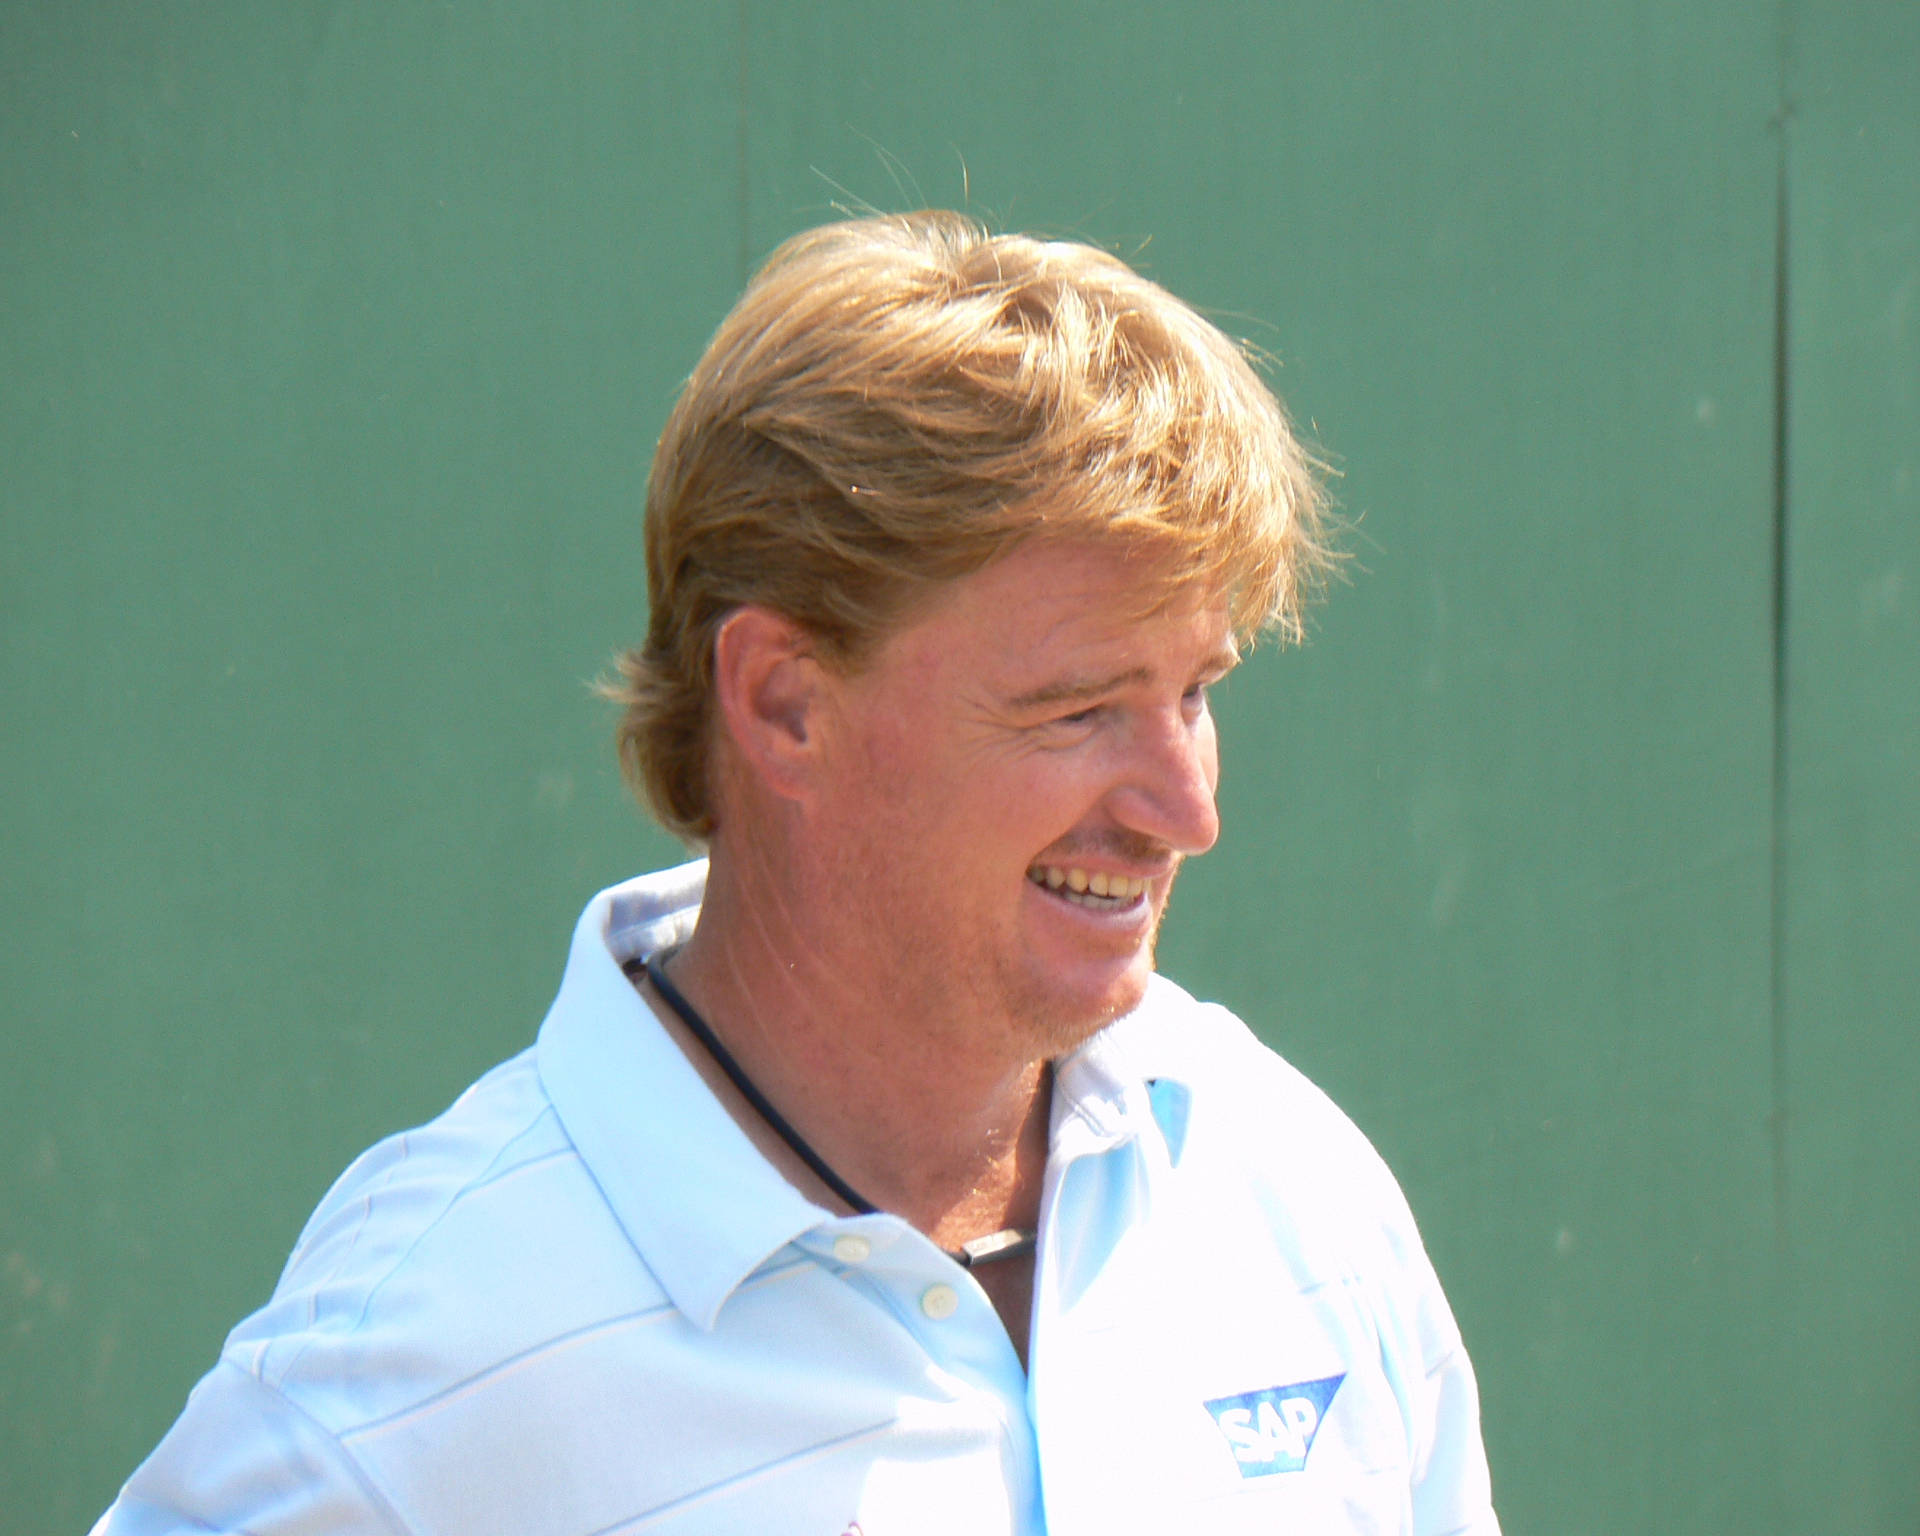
[(1578, 854)]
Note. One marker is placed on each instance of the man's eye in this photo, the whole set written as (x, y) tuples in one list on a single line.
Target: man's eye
[(1080, 716)]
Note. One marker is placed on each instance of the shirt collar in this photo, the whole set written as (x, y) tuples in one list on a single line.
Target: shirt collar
[(1135, 1073), (695, 1197)]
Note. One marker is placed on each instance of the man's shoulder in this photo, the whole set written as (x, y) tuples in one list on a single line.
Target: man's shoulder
[(441, 1253), (1210, 1047), (1258, 1115)]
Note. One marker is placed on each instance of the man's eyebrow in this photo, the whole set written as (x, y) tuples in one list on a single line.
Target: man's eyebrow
[(1070, 690)]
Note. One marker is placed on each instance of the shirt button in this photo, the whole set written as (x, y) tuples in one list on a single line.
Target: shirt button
[(939, 1302), (851, 1249)]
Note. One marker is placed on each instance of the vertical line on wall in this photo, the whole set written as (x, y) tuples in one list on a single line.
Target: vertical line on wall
[(1778, 893), (742, 168)]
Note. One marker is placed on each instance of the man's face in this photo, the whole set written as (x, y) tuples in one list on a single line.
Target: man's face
[(1016, 776)]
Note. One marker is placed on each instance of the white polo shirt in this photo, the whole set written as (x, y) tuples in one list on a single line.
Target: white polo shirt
[(581, 1303)]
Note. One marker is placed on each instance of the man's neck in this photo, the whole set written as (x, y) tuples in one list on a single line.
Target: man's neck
[(930, 1128)]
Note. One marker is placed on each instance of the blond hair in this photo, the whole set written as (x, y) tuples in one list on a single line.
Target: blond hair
[(896, 401)]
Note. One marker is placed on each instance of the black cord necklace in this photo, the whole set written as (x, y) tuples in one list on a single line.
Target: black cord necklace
[(1008, 1243)]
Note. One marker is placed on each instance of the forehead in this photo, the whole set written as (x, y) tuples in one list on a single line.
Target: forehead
[(1045, 607)]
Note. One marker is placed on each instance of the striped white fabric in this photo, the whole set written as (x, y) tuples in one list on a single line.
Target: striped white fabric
[(581, 1303)]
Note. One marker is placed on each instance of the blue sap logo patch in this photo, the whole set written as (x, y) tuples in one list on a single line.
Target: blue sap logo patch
[(1272, 1430)]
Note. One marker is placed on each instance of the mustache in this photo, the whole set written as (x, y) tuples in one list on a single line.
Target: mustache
[(1120, 844)]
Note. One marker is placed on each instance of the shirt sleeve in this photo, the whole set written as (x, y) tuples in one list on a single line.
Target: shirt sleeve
[(242, 1458), (1451, 1490)]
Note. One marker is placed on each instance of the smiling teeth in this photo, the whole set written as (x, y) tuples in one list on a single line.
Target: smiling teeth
[(1077, 884)]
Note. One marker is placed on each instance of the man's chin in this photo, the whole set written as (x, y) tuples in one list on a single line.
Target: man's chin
[(1070, 1011)]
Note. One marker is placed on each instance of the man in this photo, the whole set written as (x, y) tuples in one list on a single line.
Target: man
[(865, 1177)]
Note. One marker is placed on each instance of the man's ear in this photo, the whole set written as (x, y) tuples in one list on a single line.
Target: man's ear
[(767, 687)]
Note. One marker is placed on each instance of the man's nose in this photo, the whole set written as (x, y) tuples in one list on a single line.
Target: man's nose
[(1168, 789)]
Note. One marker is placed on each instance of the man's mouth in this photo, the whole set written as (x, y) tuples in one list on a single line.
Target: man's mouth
[(1099, 891)]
